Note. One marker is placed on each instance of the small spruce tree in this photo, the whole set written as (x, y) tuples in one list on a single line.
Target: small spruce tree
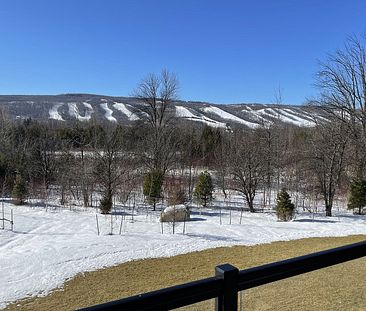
[(106, 203), (357, 195), (204, 188), (153, 184), (20, 190), (285, 209)]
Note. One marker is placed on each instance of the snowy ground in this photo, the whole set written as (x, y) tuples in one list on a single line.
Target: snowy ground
[(49, 247)]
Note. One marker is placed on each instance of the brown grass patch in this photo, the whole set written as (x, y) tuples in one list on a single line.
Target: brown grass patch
[(342, 287)]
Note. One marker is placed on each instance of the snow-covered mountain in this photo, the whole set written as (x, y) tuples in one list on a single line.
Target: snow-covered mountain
[(85, 107)]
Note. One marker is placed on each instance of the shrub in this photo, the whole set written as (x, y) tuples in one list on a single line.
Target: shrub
[(357, 195), (20, 190), (285, 209), (153, 184), (106, 203), (204, 188)]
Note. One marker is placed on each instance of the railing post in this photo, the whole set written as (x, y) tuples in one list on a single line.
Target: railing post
[(228, 301)]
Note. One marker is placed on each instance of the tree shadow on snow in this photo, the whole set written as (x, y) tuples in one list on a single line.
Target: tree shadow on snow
[(210, 237), (207, 213), (196, 219), (315, 220)]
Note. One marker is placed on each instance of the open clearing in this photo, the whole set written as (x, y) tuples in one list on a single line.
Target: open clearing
[(341, 287)]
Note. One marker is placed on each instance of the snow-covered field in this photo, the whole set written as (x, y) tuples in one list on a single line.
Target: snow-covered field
[(50, 246)]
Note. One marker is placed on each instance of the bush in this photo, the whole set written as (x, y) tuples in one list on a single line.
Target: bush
[(20, 190), (357, 196), (285, 209), (204, 188), (153, 184)]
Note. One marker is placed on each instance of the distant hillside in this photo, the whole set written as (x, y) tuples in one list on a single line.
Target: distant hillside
[(84, 107)]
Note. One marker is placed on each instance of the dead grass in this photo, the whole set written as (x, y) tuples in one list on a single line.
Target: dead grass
[(342, 287)]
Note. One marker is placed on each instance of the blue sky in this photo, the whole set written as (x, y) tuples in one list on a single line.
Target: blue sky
[(222, 51)]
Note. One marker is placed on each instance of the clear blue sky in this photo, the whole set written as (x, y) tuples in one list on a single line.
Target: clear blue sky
[(222, 51)]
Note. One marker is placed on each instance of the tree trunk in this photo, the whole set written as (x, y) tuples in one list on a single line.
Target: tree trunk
[(250, 202), (84, 189), (328, 210)]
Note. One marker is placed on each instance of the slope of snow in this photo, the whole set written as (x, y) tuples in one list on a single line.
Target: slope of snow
[(183, 112), (297, 119), (89, 111), (54, 114), (284, 115), (49, 247), (108, 112), (74, 111), (228, 116), (122, 108)]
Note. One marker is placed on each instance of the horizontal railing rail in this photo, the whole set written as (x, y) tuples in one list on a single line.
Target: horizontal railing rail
[(229, 280), (167, 298), (276, 271)]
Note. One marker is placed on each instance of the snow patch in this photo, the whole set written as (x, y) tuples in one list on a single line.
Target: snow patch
[(175, 208), (295, 119), (183, 112), (74, 111), (54, 114), (228, 116), (123, 108), (108, 112)]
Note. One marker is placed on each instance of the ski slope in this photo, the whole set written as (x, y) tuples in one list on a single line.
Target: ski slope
[(54, 114)]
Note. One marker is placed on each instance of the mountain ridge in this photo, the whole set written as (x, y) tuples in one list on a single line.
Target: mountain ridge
[(85, 107)]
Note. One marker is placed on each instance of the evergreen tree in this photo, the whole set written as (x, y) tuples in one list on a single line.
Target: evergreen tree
[(204, 188), (106, 203), (20, 191), (357, 196), (285, 209), (153, 184)]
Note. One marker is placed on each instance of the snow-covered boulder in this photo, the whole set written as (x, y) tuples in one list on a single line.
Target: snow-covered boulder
[(175, 213)]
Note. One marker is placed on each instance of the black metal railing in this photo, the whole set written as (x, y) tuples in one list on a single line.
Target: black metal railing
[(228, 281)]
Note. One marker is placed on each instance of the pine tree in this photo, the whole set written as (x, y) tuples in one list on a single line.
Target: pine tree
[(153, 184), (204, 188), (357, 196), (20, 191), (106, 203), (285, 209)]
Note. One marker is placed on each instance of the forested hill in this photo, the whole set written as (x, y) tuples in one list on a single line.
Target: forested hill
[(85, 107)]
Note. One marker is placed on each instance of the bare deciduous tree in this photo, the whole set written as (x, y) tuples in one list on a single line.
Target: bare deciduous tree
[(327, 160), (247, 165), (342, 81), (157, 93), (159, 146), (112, 164)]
